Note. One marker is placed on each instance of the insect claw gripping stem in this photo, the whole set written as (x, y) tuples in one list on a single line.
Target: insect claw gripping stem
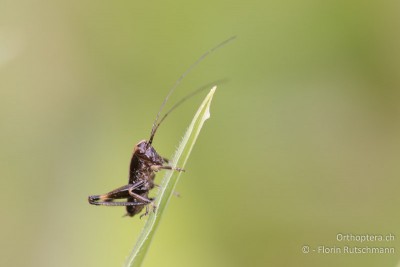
[(177, 194), (147, 209), (179, 170), (156, 168)]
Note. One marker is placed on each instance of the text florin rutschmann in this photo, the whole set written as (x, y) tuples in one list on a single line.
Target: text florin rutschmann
[(346, 239), (354, 250)]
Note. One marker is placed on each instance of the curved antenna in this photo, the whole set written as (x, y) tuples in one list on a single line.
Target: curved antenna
[(200, 59), (180, 102)]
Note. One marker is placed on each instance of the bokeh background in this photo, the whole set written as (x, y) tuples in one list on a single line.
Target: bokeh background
[(303, 141)]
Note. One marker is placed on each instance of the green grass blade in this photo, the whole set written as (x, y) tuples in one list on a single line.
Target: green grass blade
[(169, 182)]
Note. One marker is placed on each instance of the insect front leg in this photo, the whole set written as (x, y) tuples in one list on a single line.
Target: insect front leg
[(156, 168)]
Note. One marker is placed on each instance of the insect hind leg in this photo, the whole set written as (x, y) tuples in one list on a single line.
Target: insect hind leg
[(119, 193), (149, 201), (109, 202)]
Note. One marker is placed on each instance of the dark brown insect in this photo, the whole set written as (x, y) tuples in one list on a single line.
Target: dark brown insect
[(146, 161)]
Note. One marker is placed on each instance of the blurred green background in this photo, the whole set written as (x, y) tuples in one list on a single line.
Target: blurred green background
[(303, 141)]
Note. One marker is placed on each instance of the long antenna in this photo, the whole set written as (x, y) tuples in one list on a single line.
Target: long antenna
[(200, 59), (180, 102)]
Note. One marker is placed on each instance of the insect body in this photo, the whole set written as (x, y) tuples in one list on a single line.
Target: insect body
[(146, 162)]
